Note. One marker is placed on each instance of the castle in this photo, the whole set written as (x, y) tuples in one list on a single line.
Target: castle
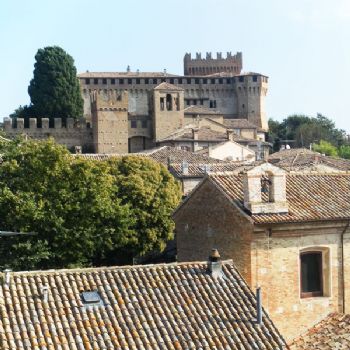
[(132, 111)]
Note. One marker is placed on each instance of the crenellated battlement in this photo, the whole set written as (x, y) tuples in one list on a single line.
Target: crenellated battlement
[(110, 101), (206, 66), (45, 124), (229, 57)]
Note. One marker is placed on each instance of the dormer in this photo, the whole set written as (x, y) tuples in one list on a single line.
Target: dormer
[(264, 189)]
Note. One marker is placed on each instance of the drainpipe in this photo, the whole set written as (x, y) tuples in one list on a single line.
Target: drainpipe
[(342, 265)]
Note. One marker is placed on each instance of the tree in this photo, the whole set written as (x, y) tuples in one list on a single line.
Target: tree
[(54, 90), (326, 148), (344, 151), (84, 212)]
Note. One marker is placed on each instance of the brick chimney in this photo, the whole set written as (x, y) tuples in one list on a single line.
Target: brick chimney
[(270, 180), (214, 264)]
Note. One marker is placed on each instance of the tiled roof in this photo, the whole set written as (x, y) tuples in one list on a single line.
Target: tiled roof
[(199, 170), (331, 333), (311, 197), (301, 158), (204, 134), (125, 75), (155, 307), (167, 86), (239, 124), (160, 154), (201, 110)]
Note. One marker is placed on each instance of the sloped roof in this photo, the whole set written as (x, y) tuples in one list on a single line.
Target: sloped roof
[(155, 307), (201, 110), (160, 154), (311, 197), (331, 333), (200, 170), (239, 124), (301, 158), (167, 86)]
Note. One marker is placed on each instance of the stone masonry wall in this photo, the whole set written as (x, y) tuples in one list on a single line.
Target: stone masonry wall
[(75, 133)]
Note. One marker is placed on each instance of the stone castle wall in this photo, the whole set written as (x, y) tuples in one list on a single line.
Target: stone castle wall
[(235, 97), (209, 65), (70, 132)]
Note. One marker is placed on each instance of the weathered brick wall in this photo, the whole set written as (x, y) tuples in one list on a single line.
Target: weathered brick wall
[(276, 268), (209, 221)]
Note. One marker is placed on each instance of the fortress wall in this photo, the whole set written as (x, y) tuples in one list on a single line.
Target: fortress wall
[(75, 133)]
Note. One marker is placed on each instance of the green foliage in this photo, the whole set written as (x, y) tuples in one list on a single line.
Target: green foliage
[(302, 130), (84, 212), (54, 90), (326, 148), (23, 112), (344, 151)]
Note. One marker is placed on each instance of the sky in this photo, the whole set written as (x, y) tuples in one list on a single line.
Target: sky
[(302, 45)]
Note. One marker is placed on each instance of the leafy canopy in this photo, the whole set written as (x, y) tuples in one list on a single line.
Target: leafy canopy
[(54, 90), (84, 212)]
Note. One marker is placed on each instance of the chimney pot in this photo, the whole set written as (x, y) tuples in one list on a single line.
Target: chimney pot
[(45, 293), (7, 276), (214, 264)]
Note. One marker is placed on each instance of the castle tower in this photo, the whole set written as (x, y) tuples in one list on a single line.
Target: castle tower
[(168, 110), (205, 66), (110, 122), (251, 90)]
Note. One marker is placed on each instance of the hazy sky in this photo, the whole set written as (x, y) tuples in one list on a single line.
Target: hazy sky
[(302, 45)]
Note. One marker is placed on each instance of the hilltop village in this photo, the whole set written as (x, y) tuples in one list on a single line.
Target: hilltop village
[(255, 250)]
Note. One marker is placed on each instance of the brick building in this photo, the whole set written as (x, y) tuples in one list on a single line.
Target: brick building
[(286, 232)]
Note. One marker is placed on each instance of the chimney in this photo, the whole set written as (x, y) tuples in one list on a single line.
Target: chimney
[(7, 277), (195, 134), (230, 134), (258, 307), (214, 264), (170, 161), (184, 167), (45, 293)]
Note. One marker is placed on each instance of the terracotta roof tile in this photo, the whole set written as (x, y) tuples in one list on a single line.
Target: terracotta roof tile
[(201, 110), (167, 86), (200, 170), (239, 124), (156, 307), (161, 154), (331, 333), (311, 197), (301, 159)]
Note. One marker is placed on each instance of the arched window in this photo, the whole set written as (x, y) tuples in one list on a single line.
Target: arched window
[(169, 104)]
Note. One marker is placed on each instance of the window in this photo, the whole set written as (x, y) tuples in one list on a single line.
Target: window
[(228, 81), (162, 103), (169, 104), (180, 81), (91, 298), (95, 81), (154, 81), (171, 81), (146, 81), (194, 102), (121, 81), (255, 78), (201, 102), (188, 81), (129, 81), (144, 124), (134, 124), (205, 81), (104, 81), (220, 81), (212, 81), (137, 81), (212, 103), (196, 81), (87, 81), (241, 79), (311, 281), (112, 81)]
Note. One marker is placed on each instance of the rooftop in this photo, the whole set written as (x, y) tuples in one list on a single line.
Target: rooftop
[(125, 75), (162, 155), (201, 110), (168, 86), (301, 158), (331, 333), (239, 124), (311, 197), (160, 307)]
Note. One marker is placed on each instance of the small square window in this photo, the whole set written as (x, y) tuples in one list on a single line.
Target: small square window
[(220, 81), (137, 81), (241, 79), (205, 81), (179, 81), (87, 81), (212, 81), (147, 81), (196, 81), (104, 81), (129, 81), (154, 81), (95, 81), (121, 81), (112, 81), (134, 124)]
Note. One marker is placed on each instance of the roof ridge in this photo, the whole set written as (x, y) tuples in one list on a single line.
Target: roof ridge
[(122, 267)]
